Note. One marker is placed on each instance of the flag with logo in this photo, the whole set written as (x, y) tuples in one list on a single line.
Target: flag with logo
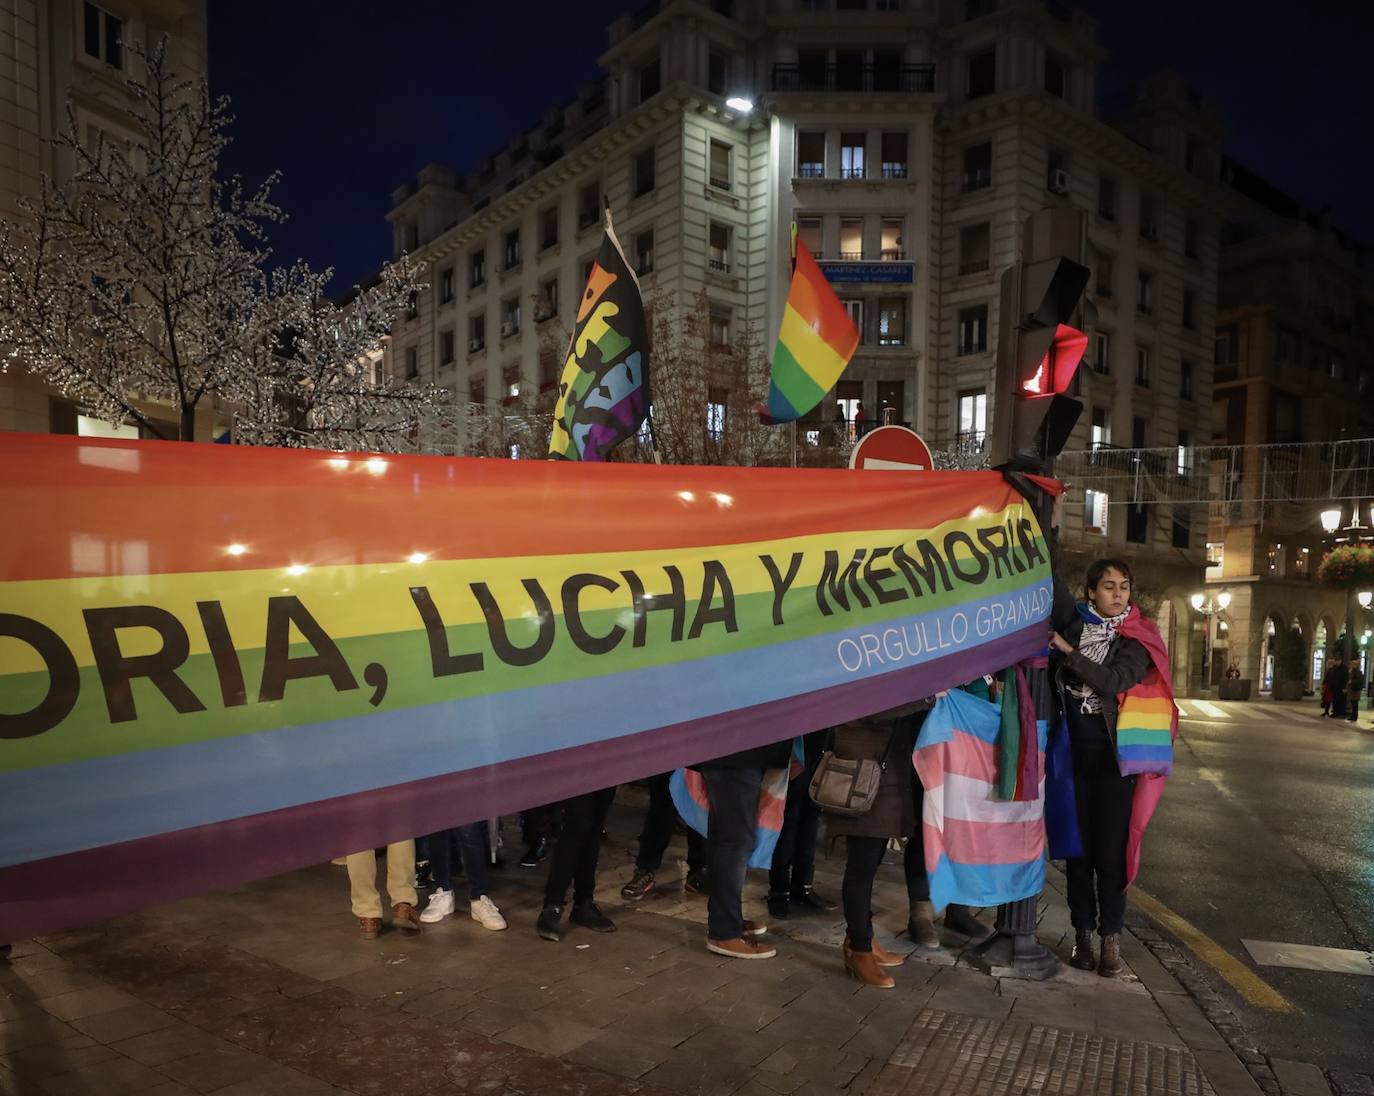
[(815, 342), (603, 395)]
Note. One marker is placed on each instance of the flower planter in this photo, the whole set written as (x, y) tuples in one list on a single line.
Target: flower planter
[(1233, 688)]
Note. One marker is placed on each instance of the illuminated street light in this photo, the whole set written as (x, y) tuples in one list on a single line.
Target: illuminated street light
[(1365, 597), (1331, 520), (740, 103)]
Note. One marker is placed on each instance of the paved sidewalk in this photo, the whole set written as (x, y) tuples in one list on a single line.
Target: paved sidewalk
[(268, 990)]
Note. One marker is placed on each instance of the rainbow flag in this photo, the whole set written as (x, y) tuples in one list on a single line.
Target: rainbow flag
[(980, 850), (815, 343), (222, 662)]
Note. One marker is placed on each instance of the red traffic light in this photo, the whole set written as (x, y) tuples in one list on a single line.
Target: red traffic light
[(1054, 374)]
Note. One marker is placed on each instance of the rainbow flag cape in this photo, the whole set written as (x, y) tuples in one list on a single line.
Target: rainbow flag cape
[(815, 343), (222, 662), (603, 396), (1147, 718), (688, 788), (980, 850)]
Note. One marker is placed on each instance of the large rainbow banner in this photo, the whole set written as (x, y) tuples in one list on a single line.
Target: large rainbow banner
[(219, 663)]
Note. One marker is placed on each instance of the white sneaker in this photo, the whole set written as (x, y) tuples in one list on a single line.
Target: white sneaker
[(440, 905), (485, 913)]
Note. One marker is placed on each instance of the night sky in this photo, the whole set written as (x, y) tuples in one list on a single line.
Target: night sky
[(349, 98)]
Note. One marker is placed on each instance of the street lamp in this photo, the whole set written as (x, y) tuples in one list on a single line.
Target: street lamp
[(1365, 597), (1209, 608), (1354, 533), (741, 103)]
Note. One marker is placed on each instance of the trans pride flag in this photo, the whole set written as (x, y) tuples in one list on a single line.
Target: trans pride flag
[(980, 850), (815, 343)]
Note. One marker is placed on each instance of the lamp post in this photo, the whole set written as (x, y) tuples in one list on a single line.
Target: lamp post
[(1209, 608), (1353, 533)]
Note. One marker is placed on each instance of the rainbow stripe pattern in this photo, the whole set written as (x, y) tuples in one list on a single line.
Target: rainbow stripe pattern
[(219, 663), (815, 343), (980, 850), (1147, 718)]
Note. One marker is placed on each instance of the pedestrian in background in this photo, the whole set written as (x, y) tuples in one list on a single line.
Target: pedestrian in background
[(1334, 681), (1354, 686)]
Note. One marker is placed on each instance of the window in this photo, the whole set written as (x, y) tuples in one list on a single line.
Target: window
[(1142, 366), (104, 36), (477, 268), (890, 242), (973, 416), (851, 155), (412, 362), (546, 307), (446, 346), (1144, 292), (811, 68), (720, 175), (650, 80), (589, 205), (1285, 346), (810, 155), (548, 369), (512, 248), (510, 317), (446, 285), (1182, 532), (1148, 229), (717, 400), (1057, 171), (849, 69), (1226, 349), (1185, 379), (1216, 558), (1101, 429), (644, 173), (1056, 76), (973, 330), (1137, 522), (809, 234), (719, 249), (855, 307), (1189, 308), (977, 167), (1106, 275), (715, 71), (975, 248), (1184, 464), (851, 238), (548, 228), (894, 156), (982, 73), (477, 333), (1102, 352), (644, 251), (1190, 238), (1095, 512), (510, 383), (718, 327), (477, 388), (891, 321), (1106, 197), (1138, 431)]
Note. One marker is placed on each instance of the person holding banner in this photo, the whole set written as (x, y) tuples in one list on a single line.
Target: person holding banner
[(573, 863), (400, 887), (1114, 676)]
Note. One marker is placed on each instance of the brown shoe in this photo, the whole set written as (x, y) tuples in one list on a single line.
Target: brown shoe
[(863, 965), (753, 928), (885, 958), (369, 927), (741, 949), (1109, 965), (1082, 957), (403, 917)]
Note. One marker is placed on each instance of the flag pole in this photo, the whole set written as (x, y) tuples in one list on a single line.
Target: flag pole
[(792, 426)]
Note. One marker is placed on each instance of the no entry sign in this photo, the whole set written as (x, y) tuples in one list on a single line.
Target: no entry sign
[(892, 448)]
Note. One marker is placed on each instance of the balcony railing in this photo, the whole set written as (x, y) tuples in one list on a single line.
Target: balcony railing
[(900, 78), (894, 170), (976, 179), (973, 266)]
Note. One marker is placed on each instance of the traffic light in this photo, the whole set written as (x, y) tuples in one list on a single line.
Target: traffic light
[(1038, 353)]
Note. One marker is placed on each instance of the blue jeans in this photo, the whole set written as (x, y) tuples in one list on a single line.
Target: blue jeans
[(734, 800), (472, 847)]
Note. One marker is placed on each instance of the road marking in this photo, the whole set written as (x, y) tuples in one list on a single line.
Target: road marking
[(1254, 711), (1310, 957), (1242, 979), (1210, 710)]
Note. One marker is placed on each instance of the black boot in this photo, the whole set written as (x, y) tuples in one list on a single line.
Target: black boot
[(778, 906), (810, 901), (550, 923), (537, 851), (960, 919), (589, 916)]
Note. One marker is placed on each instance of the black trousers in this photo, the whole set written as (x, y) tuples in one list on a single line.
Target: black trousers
[(1097, 879), (658, 830), (794, 857), (578, 847), (914, 860), (863, 856), (1352, 707)]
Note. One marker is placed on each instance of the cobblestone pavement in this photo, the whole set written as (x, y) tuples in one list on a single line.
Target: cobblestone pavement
[(267, 990)]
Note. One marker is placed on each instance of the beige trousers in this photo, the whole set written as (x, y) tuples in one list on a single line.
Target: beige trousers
[(400, 878)]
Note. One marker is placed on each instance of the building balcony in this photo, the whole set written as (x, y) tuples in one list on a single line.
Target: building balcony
[(883, 78)]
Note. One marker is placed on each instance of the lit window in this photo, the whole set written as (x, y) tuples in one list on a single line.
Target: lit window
[(1095, 512)]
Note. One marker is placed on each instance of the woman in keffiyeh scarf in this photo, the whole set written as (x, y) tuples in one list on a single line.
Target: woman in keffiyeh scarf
[(1096, 666)]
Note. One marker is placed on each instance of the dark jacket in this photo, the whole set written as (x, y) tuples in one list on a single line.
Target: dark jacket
[(1354, 681), (893, 813), (777, 755), (1126, 664), (1335, 677)]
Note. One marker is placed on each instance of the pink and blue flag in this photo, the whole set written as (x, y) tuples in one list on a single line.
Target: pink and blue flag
[(688, 788), (980, 849)]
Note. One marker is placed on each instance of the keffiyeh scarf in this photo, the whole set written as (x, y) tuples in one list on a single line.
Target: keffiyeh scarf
[(1095, 642)]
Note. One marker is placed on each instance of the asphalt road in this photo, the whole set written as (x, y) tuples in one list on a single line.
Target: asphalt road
[(1266, 832)]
